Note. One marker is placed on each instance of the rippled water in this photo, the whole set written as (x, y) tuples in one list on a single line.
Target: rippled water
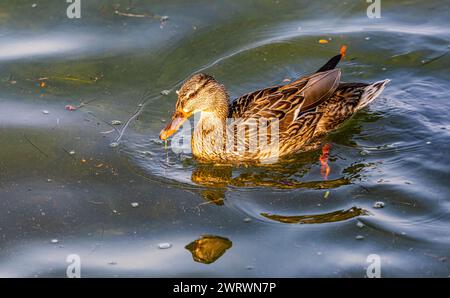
[(138, 209)]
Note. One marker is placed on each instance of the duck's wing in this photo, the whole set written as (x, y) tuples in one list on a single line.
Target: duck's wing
[(286, 102), (347, 99)]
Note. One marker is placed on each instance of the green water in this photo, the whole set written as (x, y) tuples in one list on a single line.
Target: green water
[(60, 178)]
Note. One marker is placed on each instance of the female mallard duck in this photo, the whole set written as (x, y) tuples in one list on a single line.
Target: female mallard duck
[(269, 123)]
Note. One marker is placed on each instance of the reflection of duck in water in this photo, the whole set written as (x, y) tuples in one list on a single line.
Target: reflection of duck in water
[(217, 178), (299, 112), (208, 248)]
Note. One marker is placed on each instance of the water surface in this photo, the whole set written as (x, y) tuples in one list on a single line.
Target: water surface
[(65, 190)]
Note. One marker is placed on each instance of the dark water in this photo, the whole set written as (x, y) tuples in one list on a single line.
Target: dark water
[(279, 220)]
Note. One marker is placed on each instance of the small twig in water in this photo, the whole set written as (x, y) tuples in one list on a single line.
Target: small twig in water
[(35, 146), (435, 58)]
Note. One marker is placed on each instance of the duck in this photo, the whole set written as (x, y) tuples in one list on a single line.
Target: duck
[(267, 124)]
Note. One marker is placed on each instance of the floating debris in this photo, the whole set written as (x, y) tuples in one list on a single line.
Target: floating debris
[(70, 107), (326, 195), (34, 5), (247, 219), (113, 144), (49, 180), (54, 241), (378, 205), (45, 112), (116, 122), (323, 41), (164, 245), (359, 237), (135, 204), (367, 38), (42, 84), (72, 152), (165, 92), (360, 224)]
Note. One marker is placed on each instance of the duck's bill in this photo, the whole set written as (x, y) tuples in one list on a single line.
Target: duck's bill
[(172, 127)]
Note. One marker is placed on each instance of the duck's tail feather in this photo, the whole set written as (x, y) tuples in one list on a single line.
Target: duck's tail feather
[(371, 92), (333, 62)]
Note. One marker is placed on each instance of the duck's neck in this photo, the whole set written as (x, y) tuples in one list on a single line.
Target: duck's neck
[(209, 133)]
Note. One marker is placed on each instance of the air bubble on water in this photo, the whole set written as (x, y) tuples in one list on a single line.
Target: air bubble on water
[(164, 245)]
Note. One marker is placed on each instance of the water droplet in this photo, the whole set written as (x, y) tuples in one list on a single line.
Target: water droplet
[(164, 245)]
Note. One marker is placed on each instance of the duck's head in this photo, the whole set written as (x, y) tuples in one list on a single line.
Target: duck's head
[(199, 93)]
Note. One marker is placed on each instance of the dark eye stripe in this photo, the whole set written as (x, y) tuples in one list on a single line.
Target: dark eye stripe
[(205, 82)]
